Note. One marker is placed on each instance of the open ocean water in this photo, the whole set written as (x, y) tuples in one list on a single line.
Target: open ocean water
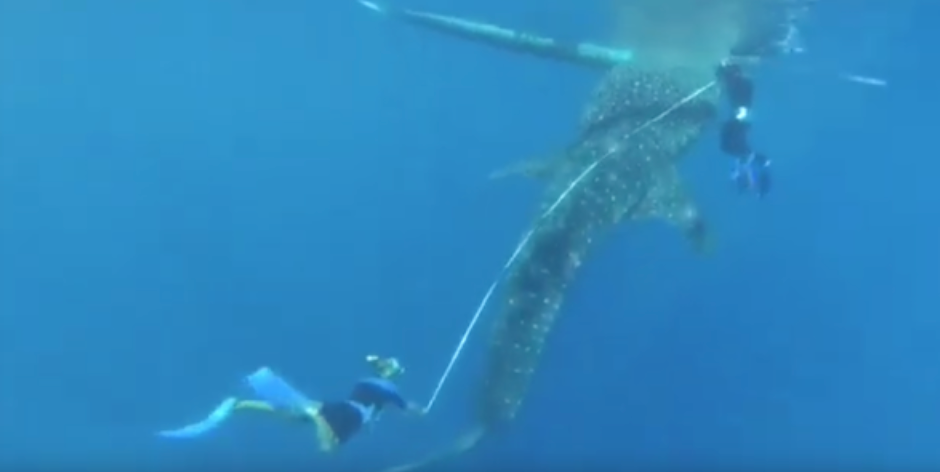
[(190, 190)]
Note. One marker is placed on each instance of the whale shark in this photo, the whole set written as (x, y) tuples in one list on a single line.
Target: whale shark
[(642, 119), (631, 138), (621, 167)]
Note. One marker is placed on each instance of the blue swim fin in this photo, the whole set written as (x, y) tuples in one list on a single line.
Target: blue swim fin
[(273, 389), (218, 415)]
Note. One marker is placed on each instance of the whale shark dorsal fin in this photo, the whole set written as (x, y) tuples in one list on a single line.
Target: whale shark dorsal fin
[(538, 169)]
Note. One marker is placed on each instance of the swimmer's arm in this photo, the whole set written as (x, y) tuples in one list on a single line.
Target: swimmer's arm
[(415, 409), (395, 398)]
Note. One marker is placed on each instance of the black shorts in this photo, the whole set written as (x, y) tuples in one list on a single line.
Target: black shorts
[(344, 418)]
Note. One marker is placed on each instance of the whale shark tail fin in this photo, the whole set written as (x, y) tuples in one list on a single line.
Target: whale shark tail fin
[(464, 443)]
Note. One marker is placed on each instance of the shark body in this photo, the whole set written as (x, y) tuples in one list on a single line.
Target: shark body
[(636, 179), (620, 169)]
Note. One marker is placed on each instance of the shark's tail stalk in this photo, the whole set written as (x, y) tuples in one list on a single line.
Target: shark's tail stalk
[(464, 443), (584, 54)]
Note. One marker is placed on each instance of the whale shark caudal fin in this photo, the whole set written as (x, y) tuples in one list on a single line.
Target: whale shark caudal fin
[(590, 55), (464, 443)]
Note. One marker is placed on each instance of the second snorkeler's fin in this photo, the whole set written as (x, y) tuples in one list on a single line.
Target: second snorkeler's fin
[(211, 422), (583, 54), (273, 389)]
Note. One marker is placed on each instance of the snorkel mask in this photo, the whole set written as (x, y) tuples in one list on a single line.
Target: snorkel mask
[(385, 367)]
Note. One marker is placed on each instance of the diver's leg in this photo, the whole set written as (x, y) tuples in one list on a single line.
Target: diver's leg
[(256, 405), (733, 138), (336, 423), (326, 436), (307, 414)]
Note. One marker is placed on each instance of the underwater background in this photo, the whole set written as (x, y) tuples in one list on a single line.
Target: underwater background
[(190, 190)]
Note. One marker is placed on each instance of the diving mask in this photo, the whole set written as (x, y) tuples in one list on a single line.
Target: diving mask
[(385, 367)]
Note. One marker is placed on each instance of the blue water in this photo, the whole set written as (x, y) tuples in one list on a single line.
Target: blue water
[(190, 190)]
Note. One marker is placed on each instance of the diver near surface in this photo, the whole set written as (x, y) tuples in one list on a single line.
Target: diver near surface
[(336, 422), (751, 171)]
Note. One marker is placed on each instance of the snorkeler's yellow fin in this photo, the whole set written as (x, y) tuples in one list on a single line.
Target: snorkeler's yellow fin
[(463, 444)]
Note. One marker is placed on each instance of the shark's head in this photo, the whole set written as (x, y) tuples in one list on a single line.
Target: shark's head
[(772, 32), (700, 32), (678, 32)]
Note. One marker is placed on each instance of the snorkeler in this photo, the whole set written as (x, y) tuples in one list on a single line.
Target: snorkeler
[(336, 422), (751, 168)]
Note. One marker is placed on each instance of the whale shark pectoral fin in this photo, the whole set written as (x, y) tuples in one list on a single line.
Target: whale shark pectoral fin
[(680, 211), (668, 200), (538, 169)]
